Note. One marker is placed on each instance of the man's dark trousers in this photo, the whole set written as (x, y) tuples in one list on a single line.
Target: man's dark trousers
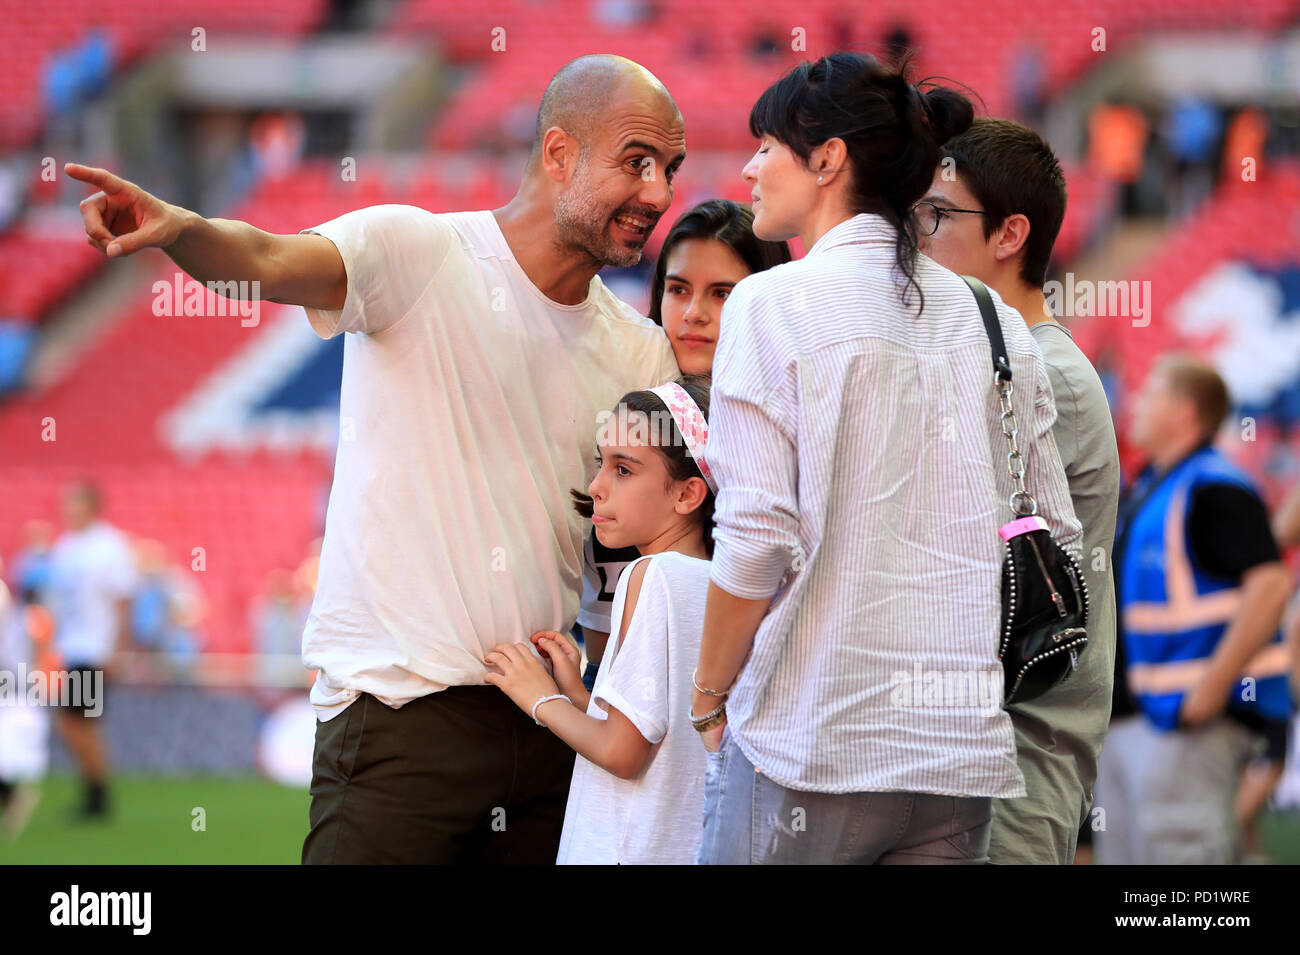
[(458, 776)]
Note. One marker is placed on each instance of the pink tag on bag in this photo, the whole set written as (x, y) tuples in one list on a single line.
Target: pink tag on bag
[(1022, 525)]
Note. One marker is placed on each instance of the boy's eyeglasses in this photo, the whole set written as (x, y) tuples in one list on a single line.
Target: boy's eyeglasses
[(928, 215)]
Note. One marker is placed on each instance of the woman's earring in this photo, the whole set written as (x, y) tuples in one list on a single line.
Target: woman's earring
[(819, 178)]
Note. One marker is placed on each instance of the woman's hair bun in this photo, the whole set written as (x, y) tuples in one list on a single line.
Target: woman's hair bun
[(950, 114)]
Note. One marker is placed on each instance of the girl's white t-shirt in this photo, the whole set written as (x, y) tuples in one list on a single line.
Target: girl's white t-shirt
[(656, 818)]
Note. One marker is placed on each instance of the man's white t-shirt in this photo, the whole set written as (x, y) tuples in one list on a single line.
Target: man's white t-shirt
[(91, 570), (470, 407), (656, 818)]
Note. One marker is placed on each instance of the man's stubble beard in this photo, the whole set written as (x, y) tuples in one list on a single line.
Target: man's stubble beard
[(581, 224)]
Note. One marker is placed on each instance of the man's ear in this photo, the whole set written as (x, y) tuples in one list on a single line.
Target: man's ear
[(559, 150), (1011, 236)]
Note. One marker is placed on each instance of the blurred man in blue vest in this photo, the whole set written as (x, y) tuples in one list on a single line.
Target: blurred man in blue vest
[(1201, 593)]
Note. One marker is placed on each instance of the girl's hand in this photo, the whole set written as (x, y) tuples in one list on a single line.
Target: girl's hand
[(564, 657), (519, 674)]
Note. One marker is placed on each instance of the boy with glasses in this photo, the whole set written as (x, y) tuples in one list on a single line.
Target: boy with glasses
[(994, 211)]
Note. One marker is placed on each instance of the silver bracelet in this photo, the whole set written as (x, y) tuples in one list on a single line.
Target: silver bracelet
[(695, 683), (547, 699)]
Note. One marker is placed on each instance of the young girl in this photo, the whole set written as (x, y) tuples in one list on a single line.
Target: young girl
[(638, 784), (707, 251)]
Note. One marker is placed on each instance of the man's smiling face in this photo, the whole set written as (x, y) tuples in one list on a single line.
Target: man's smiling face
[(624, 180)]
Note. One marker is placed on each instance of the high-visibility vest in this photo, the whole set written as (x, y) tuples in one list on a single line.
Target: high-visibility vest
[(1174, 613)]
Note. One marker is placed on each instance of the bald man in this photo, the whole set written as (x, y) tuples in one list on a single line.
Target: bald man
[(483, 349)]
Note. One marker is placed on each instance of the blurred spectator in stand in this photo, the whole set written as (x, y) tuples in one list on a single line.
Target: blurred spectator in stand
[(277, 622), (1117, 140), (31, 569), (72, 78), (166, 606), (345, 15), (839, 30), (897, 44), (1191, 132), (275, 142), (1028, 82), (17, 339), (766, 42), (622, 14), (304, 578), (1246, 139), (13, 191), (279, 619)]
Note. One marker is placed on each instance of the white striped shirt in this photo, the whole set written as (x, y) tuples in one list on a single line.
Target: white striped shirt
[(862, 479)]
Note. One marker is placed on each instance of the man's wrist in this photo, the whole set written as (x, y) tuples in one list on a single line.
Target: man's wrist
[(187, 220)]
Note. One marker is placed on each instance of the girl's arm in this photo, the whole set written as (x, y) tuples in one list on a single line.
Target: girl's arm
[(613, 744)]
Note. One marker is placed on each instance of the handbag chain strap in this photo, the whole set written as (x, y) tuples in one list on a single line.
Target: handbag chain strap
[(1022, 503)]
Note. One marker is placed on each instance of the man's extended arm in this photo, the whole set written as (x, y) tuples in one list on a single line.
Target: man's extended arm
[(122, 218)]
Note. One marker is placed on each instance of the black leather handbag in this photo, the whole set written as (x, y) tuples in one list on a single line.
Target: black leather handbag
[(1044, 594)]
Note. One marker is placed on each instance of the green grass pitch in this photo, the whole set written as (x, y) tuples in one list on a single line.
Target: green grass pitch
[(250, 821)]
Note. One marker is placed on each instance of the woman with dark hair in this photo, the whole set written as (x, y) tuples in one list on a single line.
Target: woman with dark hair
[(848, 689), (709, 249)]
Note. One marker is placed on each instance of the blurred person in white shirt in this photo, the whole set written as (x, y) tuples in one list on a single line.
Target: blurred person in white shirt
[(92, 579)]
